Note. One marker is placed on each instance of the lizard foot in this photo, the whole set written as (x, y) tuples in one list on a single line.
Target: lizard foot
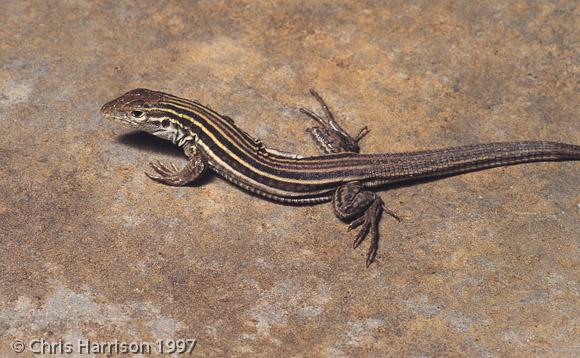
[(350, 202), (330, 136), (169, 174)]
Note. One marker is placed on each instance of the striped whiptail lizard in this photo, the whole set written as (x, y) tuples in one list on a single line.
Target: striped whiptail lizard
[(342, 175)]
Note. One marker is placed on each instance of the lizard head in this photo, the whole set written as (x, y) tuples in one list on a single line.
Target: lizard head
[(140, 108), (132, 108)]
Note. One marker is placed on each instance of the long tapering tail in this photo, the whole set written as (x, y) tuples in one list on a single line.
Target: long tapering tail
[(455, 160)]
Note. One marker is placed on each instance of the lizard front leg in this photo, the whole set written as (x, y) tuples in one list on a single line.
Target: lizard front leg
[(362, 208), (329, 135), (169, 174)]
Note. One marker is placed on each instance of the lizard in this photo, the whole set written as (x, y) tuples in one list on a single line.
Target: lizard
[(342, 175)]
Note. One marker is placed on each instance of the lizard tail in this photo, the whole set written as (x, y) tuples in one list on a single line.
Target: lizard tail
[(456, 160)]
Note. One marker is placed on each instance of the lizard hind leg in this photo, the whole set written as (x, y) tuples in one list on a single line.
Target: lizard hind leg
[(329, 135), (362, 208)]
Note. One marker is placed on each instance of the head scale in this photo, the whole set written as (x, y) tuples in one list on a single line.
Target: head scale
[(140, 108)]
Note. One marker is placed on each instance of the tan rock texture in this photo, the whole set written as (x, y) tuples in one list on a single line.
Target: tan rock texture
[(484, 264)]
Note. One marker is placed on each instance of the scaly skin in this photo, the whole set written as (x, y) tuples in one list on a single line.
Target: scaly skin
[(213, 141)]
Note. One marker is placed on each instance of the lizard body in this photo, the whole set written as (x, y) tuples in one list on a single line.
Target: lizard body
[(342, 175)]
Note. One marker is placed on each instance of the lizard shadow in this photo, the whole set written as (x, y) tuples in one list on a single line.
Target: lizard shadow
[(149, 143)]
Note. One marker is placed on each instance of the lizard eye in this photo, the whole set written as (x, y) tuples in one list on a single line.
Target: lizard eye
[(137, 114)]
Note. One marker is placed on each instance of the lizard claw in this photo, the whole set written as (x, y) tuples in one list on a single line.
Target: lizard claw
[(164, 169), (169, 173), (356, 223), (391, 213), (154, 177), (362, 133)]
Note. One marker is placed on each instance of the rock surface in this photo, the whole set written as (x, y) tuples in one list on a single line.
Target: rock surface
[(484, 264)]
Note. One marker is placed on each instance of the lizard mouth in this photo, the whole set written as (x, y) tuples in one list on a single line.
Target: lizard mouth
[(113, 111), (110, 109), (111, 114)]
